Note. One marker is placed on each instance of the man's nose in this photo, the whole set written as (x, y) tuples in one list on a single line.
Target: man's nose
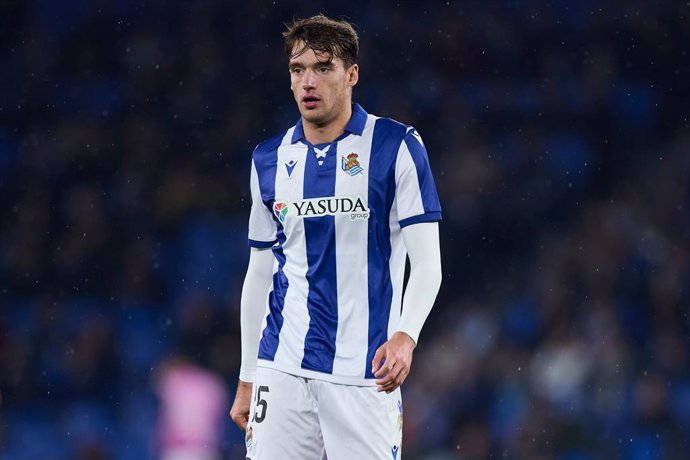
[(309, 79)]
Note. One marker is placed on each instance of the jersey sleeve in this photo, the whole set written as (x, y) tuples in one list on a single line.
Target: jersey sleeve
[(262, 227), (416, 198)]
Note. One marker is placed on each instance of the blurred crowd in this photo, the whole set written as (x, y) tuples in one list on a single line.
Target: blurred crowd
[(558, 135)]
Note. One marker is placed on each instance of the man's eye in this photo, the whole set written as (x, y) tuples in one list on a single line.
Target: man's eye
[(295, 70), (324, 69)]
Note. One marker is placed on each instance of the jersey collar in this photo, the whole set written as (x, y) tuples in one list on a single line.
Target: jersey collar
[(354, 126)]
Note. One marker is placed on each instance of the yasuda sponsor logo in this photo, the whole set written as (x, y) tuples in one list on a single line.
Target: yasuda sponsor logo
[(332, 206), (317, 207)]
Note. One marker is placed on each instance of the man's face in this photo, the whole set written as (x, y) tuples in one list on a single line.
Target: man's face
[(322, 89)]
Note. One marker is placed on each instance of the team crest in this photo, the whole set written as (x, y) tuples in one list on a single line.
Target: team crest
[(350, 164), (280, 210)]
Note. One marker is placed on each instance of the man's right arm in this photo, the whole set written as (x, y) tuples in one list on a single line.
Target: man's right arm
[(257, 283)]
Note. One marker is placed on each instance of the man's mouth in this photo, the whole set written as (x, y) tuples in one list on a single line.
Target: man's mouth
[(310, 101)]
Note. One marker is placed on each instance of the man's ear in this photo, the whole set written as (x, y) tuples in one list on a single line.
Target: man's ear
[(353, 75)]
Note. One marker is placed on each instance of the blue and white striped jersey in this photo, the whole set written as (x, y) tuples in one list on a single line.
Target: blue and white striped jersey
[(332, 214)]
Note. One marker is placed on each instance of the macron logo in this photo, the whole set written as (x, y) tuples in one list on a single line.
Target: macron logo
[(290, 166), (394, 451)]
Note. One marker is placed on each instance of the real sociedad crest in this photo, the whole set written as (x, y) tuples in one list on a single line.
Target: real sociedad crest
[(351, 165)]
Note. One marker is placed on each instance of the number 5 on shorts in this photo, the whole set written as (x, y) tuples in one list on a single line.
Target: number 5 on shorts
[(260, 402)]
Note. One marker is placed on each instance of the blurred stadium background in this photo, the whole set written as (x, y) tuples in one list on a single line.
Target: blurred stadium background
[(558, 134)]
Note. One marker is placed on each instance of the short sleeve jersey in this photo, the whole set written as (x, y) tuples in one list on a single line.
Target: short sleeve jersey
[(332, 214)]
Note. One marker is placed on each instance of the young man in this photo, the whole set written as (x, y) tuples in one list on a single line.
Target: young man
[(338, 201)]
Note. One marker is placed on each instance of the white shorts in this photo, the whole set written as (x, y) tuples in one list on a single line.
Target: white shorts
[(296, 418)]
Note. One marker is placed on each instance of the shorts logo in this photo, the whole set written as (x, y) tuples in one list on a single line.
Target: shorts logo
[(350, 164), (318, 207), (394, 452), (249, 438), (280, 209)]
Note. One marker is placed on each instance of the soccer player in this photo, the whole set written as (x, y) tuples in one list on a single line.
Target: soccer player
[(338, 202)]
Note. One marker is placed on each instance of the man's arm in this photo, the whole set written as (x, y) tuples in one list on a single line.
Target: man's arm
[(393, 359), (257, 283)]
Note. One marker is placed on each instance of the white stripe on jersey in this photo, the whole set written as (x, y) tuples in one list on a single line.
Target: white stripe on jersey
[(261, 225), (295, 314), (409, 204), (351, 343)]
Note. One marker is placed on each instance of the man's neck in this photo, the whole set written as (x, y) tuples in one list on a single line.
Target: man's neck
[(329, 132)]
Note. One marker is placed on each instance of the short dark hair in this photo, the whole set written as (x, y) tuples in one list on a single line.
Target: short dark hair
[(325, 36)]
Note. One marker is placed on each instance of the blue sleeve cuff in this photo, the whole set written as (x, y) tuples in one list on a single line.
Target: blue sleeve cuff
[(427, 217), (262, 244)]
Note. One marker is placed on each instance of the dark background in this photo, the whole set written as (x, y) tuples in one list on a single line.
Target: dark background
[(558, 135)]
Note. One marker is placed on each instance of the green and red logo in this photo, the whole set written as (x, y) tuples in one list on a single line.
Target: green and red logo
[(280, 209)]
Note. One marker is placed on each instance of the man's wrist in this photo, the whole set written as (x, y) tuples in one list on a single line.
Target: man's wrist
[(407, 336)]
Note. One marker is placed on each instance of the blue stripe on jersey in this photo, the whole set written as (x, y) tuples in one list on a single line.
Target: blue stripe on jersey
[(276, 301), (426, 180), (266, 160), (384, 149), (319, 234)]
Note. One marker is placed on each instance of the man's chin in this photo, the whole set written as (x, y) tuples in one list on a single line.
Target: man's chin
[(312, 117)]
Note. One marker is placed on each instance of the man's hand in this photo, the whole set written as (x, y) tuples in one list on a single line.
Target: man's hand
[(392, 362), (239, 413)]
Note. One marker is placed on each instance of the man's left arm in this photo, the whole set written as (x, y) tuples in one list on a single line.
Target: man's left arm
[(393, 359)]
